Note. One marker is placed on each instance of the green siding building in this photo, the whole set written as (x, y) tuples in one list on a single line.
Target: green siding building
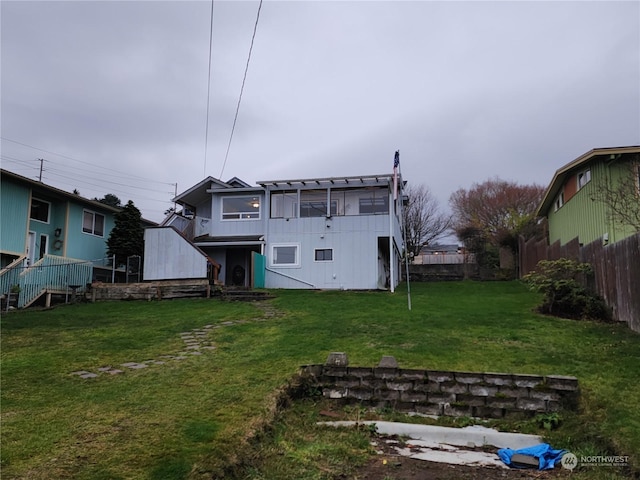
[(574, 202)]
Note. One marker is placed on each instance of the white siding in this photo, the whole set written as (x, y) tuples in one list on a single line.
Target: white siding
[(168, 255), (353, 239)]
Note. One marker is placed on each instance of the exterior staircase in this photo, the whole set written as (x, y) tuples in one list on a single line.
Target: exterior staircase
[(50, 275)]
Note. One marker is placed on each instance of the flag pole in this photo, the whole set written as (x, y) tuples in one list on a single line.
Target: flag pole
[(404, 230)]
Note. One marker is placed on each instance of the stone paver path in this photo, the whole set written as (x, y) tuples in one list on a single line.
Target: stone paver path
[(196, 342)]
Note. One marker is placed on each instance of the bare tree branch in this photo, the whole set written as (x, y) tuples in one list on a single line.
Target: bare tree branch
[(424, 223), (622, 197)]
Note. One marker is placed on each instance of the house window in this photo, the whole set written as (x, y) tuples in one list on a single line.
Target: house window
[(559, 200), (241, 208), (40, 210), (323, 254), (313, 203), (374, 202), (93, 223), (584, 178), (284, 204), (285, 255)]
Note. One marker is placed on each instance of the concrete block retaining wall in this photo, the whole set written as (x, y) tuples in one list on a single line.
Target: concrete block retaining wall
[(486, 395), (157, 290)]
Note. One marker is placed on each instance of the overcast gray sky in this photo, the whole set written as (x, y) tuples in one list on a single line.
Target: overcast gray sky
[(114, 94)]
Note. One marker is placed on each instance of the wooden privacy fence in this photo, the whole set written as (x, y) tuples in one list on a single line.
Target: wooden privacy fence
[(616, 270)]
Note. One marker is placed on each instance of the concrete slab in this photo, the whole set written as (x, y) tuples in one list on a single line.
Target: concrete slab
[(115, 371), (89, 375), (453, 456), (79, 372), (473, 436), (447, 445)]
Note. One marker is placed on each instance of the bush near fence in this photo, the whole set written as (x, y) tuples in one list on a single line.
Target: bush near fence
[(616, 270)]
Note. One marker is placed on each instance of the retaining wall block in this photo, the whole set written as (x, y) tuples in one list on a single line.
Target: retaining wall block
[(413, 397), (483, 390), (440, 376), (386, 373), (454, 387), (471, 400), (402, 386), (513, 392), (498, 379), (453, 410), (385, 394), (360, 393), (417, 375), (388, 361), (544, 395), (501, 402), (337, 359), (361, 372), (466, 377), (335, 392), (441, 398), (334, 371), (535, 404), (488, 412), (529, 381), (561, 382), (373, 383), (432, 409), (347, 382), (427, 386)]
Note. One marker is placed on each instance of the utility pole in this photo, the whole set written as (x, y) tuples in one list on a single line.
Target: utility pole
[(41, 164)]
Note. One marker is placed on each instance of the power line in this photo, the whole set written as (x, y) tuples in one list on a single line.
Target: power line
[(206, 130), (81, 161), (235, 118)]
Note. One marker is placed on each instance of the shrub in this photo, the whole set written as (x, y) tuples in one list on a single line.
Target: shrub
[(562, 283)]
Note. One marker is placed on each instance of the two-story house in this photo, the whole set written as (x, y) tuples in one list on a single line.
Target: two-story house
[(326, 233), (49, 238), (583, 195)]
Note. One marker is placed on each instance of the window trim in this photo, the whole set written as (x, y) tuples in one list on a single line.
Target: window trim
[(272, 257), (315, 255), (580, 182), (93, 224), (284, 194), (48, 220), (559, 201), (222, 214)]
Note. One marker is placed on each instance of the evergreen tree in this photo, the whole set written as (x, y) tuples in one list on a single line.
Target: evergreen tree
[(110, 199), (127, 237)]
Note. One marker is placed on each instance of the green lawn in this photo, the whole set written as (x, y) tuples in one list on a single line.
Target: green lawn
[(191, 418)]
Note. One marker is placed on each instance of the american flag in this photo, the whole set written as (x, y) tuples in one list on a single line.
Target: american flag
[(396, 164)]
